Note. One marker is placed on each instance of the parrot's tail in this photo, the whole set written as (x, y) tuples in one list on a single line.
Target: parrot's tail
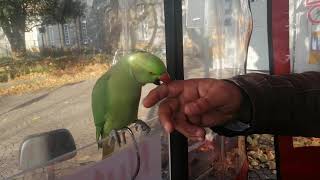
[(99, 144), (107, 148), (98, 135)]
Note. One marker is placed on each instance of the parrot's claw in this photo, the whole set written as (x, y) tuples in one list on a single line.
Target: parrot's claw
[(119, 136), (114, 136), (123, 133), (139, 124)]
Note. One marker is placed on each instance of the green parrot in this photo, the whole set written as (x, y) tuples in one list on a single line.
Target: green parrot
[(116, 94)]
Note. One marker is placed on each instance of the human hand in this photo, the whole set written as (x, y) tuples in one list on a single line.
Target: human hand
[(191, 105)]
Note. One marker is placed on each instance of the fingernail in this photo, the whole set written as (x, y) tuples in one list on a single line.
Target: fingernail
[(145, 102), (167, 128)]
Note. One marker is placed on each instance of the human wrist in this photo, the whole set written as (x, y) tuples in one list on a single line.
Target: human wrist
[(244, 113)]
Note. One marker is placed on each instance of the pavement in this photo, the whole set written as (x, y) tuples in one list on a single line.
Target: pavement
[(67, 107), (20, 116)]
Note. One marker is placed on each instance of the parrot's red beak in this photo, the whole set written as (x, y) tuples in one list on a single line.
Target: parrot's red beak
[(165, 78)]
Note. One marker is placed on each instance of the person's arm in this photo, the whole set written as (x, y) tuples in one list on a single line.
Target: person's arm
[(283, 105)]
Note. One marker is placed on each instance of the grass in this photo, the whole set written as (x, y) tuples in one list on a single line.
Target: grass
[(25, 76)]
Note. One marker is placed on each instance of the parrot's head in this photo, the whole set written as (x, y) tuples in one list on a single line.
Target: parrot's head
[(148, 68)]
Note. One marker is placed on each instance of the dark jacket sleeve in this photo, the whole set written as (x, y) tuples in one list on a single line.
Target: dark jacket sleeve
[(280, 105)]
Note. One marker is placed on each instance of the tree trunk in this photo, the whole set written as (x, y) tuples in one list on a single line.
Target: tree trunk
[(60, 29), (113, 27), (77, 25), (15, 32), (155, 28), (133, 37)]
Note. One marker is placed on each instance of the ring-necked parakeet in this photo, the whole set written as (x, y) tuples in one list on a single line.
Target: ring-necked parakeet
[(116, 94)]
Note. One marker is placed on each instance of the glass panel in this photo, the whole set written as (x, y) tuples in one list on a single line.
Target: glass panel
[(216, 47), (305, 47), (87, 163), (49, 67), (305, 35), (216, 38)]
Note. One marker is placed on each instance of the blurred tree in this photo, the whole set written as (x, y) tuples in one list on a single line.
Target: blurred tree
[(112, 26), (144, 13), (20, 16), (112, 18), (62, 11)]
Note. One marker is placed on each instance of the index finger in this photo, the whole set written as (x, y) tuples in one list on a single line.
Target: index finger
[(173, 89)]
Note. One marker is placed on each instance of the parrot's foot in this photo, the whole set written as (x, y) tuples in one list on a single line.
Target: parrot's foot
[(139, 124), (118, 136)]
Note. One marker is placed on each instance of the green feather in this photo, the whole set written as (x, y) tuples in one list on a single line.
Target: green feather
[(116, 94)]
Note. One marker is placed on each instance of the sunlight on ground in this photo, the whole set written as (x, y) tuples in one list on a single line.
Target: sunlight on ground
[(38, 81)]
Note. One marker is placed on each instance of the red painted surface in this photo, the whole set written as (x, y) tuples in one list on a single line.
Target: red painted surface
[(298, 163), (243, 174), (280, 34), (295, 163)]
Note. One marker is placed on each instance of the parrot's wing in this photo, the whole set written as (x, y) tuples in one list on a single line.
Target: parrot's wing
[(98, 102)]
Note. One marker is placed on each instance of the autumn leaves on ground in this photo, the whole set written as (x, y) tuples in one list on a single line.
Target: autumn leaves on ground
[(49, 73)]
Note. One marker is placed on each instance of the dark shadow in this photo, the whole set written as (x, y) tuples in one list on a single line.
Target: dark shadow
[(28, 102), (37, 99), (69, 84)]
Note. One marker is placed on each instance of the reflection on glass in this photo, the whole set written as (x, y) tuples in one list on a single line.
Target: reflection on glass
[(50, 58), (85, 162), (216, 38)]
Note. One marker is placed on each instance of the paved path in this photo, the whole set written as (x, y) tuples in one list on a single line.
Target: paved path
[(65, 107), (20, 116)]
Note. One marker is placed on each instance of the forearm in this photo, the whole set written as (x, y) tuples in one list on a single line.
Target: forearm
[(284, 105)]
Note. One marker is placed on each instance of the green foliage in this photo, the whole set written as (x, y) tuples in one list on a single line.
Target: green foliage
[(37, 11), (63, 11), (19, 16), (24, 11)]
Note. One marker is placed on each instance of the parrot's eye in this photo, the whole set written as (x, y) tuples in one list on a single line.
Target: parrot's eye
[(151, 73)]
